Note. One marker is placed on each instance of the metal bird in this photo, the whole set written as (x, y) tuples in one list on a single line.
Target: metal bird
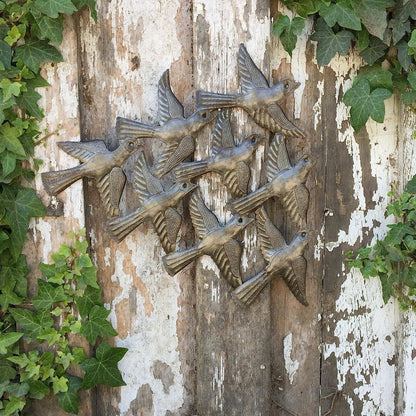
[(283, 260), (257, 98), (227, 158), (285, 183), (155, 204), (216, 240), (175, 130), (98, 163)]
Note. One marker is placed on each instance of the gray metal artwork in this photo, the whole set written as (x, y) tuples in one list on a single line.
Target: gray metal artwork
[(257, 98), (98, 163), (227, 158), (284, 182), (156, 204), (216, 240), (283, 260), (175, 130)]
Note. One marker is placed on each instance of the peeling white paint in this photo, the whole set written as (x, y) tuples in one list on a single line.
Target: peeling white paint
[(291, 366)]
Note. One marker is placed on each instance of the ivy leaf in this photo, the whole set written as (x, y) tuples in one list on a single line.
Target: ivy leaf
[(15, 404), (34, 53), (363, 39), (88, 277), (28, 101), (365, 104), (7, 372), (397, 232), (5, 54), (376, 76), (53, 8), (8, 163), (47, 295), (10, 140), (398, 29), (411, 78), (387, 283), (50, 335), (91, 297), (8, 339), (374, 51), (69, 400), (91, 4), (103, 368), (8, 296), (37, 389), (373, 14), (403, 55), (408, 97), (342, 13), (411, 185), (29, 321), (59, 385), (17, 389), (51, 29), (97, 325), (288, 31), (19, 209), (330, 43)]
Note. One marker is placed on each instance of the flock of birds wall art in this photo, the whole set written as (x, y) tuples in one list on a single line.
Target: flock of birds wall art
[(229, 158)]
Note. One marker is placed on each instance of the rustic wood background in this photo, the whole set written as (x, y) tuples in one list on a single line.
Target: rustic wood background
[(192, 350)]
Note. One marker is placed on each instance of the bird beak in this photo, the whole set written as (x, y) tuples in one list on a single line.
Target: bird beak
[(296, 85), (192, 187)]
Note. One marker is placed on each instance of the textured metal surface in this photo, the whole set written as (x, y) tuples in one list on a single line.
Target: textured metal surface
[(98, 163), (283, 260), (256, 97), (216, 240)]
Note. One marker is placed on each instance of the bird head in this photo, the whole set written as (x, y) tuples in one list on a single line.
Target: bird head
[(254, 140), (301, 239), (180, 189), (287, 85), (237, 223), (129, 145), (304, 165), (202, 117)]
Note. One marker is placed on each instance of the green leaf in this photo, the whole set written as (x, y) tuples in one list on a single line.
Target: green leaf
[(21, 360), (81, 246), (51, 29), (78, 355), (8, 163), (363, 39), (37, 389), (365, 104), (411, 185), (47, 295), (50, 335), (19, 209), (88, 277), (9, 88), (28, 320), (10, 140), (7, 372), (103, 369), (97, 325), (387, 283), (330, 43), (53, 8), (374, 51), (69, 401), (342, 13), (5, 54), (59, 385), (91, 297), (90, 4), (373, 14), (28, 101), (17, 389), (8, 339), (408, 97), (398, 29), (376, 76), (403, 55), (34, 53), (288, 31), (411, 78), (8, 296), (15, 404), (397, 232)]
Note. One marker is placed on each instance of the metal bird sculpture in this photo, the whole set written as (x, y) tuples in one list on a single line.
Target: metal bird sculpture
[(284, 182), (283, 260), (216, 240), (227, 158), (257, 98), (98, 163), (156, 204), (175, 130)]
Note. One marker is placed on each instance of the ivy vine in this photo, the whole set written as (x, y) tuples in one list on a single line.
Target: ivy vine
[(383, 32), (35, 355)]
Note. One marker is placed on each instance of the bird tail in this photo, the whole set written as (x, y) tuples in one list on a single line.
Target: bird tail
[(190, 170), (175, 262), (248, 203), (249, 290), (205, 99), (120, 227), (294, 286), (130, 128), (56, 182)]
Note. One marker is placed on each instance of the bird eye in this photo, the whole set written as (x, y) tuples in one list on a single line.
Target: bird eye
[(306, 158), (204, 115), (303, 234), (253, 139), (185, 186), (240, 220), (286, 86), (131, 146)]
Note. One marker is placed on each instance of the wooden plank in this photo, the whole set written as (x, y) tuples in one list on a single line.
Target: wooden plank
[(60, 102), (123, 56), (296, 329), (233, 366), (359, 331)]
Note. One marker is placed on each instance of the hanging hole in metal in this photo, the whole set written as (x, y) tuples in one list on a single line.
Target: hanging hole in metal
[(55, 207)]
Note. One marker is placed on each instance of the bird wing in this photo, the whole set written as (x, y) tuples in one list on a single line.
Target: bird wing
[(169, 105), (295, 278), (167, 226), (237, 180), (111, 187), (145, 183), (84, 151), (285, 125), (249, 75), (222, 135), (270, 237), (278, 159), (296, 204), (222, 260), (173, 155), (203, 220)]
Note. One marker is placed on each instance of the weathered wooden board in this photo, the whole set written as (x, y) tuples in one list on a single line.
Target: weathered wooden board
[(122, 58)]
